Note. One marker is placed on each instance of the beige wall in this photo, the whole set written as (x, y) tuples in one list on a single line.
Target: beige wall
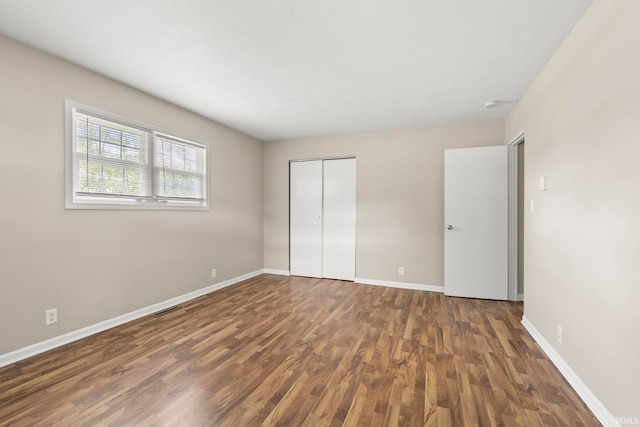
[(581, 118), (124, 260), (400, 212)]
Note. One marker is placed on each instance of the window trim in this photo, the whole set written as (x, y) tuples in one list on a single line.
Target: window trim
[(100, 201)]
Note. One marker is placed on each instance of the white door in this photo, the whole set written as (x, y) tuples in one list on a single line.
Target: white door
[(305, 239), (476, 222), (339, 220), (323, 218)]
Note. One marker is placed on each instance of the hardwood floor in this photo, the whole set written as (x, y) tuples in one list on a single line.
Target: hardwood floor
[(291, 351)]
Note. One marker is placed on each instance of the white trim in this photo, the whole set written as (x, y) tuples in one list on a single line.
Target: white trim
[(324, 158), (278, 272), (516, 140), (41, 347), (599, 410), (401, 285), (520, 297), (513, 216)]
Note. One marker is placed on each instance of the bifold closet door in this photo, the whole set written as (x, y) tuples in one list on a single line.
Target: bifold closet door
[(323, 218), (339, 219), (305, 234)]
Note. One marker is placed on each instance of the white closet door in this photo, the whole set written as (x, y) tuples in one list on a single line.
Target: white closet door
[(339, 224), (306, 218)]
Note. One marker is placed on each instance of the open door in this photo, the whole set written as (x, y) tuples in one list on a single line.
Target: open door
[(476, 222)]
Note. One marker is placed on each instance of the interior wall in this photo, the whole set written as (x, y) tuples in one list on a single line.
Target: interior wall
[(399, 195), (93, 265), (581, 121)]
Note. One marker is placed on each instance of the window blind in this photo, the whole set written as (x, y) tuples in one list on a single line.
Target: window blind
[(179, 168), (110, 159)]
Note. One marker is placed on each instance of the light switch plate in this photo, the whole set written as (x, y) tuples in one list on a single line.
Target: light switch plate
[(543, 183)]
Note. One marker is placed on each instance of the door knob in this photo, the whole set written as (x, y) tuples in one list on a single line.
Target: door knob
[(449, 227)]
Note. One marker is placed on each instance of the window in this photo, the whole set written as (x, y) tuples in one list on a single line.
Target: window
[(117, 163)]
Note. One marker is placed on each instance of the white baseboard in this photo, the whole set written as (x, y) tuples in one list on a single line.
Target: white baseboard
[(599, 410), (278, 272), (401, 285), (50, 344), (520, 297)]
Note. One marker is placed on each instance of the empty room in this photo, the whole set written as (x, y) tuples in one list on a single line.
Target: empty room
[(319, 213)]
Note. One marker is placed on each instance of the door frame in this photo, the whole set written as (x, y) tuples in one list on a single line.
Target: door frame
[(512, 278)]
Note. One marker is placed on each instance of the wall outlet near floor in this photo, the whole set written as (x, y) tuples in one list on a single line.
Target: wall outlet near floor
[(401, 271), (559, 334), (51, 317), (214, 273)]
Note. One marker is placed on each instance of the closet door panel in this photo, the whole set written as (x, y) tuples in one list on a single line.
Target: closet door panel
[(305, 236), (339, 224)]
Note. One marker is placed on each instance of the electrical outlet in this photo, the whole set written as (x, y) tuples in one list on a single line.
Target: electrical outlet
[(560, 334), (214, 273), (51, 317), (401, 271)]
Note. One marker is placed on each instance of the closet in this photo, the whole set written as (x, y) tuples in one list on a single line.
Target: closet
[(322, 218)]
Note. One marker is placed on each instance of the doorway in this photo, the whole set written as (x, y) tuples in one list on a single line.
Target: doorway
[(516, 217), (512, 268)]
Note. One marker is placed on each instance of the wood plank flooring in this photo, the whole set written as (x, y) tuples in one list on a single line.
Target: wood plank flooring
[(293, 351)]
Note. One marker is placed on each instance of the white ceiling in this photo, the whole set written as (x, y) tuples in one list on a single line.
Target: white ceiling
[(280, 69)]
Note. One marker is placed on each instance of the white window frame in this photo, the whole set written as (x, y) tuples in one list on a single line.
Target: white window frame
[(74, 200)]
